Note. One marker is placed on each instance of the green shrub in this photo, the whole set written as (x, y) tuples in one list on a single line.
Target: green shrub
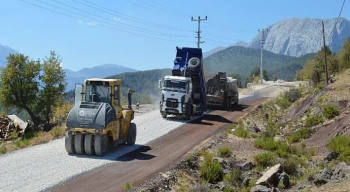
[(241, 132), (127, 186), (330, 111), (265, 159), (290, 165), (341, 145), (302, 133), (225, 151), (320, 85), (57, 131), (232, 178), (3, 149), (211, 170), (283, 102), (313, 121), (292, 95)]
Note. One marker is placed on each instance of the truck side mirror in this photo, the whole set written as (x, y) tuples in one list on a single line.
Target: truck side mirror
[(190, 85), (160, 84)]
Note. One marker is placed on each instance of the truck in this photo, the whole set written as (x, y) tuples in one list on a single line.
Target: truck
[(97, 120), (184, 91), (222, 91)]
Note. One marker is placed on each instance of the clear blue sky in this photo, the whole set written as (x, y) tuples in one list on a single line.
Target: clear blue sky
[(96, 36)]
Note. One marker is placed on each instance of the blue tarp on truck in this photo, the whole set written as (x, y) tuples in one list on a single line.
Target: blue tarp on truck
[(195, 72)]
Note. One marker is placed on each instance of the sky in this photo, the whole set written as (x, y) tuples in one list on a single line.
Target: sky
[(142, 34)]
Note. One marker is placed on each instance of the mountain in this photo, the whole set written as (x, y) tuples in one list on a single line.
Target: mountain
[(241, 43), (296, 37), (216, 49), (242, 60), (4, 52), (99, 71)]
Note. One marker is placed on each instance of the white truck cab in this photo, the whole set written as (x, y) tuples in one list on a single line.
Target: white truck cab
[(176, 96)]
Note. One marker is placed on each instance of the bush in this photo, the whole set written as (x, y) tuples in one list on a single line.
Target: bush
[(292, 95), (290, 165), (265, 159), (232, 178), (313, 121), (211, 170), (302, 133), (330, 111), (57, 131), (127, 186), (341, 145), (241, 132), (283, 102), (3, 149), (281, 148), (225, 151)]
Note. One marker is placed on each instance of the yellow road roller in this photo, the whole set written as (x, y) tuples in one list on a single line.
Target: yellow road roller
[(97, 121)]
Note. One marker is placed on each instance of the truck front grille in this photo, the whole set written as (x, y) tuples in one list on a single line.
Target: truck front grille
[(173, 103)]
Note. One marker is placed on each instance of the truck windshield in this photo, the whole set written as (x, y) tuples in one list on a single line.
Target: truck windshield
[(174, 84), (98, 93)]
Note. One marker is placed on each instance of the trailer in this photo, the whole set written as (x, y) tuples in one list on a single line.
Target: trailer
[(222, 91)]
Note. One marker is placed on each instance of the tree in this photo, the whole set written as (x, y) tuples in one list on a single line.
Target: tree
[(20, 84), (344, 55), (24, 86), (53, 85)]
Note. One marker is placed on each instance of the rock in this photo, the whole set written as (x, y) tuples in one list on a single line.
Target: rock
[(247, 166), (260, 188), (284, 179), (269, 176), (246, 182), (323, 177), (331, 156), (255, 129)]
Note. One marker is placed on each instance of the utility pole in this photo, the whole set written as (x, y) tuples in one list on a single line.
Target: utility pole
[(199, 29), (325, 53), (262, 47)]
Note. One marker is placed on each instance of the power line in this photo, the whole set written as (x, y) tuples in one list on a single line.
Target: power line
[(112, 12), (186, 14), (114, 23), (159, 10), (135, 19), (117, 29), (341, 9)]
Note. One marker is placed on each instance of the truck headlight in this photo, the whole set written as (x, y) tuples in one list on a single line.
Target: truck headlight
[(184, 106)]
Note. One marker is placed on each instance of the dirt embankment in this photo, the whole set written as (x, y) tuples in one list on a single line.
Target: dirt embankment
[(281, 146)]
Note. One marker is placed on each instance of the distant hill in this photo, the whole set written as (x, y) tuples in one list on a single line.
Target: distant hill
[(242, 60), (4, 52), (99, 71), (216, 49), (296, 37)]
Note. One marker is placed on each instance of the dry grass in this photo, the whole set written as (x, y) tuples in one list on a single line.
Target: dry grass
[(339, 90), (37, 138)]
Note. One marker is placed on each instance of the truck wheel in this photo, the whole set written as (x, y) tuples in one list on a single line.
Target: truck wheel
[(101, 144), (131, 135), (164, 115), (69, 143), (188, 113), (88, 144), (79, 143)]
